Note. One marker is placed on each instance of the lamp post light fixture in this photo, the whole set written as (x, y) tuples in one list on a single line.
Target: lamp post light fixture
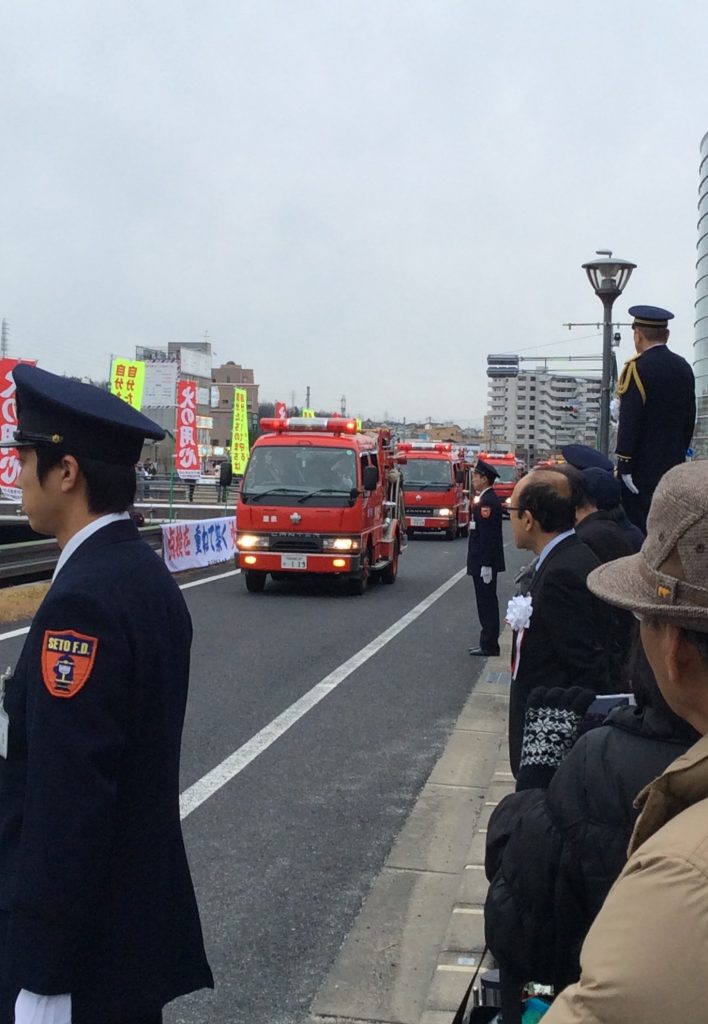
[(608, 278)]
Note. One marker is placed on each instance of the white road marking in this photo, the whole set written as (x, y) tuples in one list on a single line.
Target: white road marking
[(218, 777), (183, 586)]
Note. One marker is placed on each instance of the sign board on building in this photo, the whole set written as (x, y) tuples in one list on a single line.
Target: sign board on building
[(203, 396), (214, 397), (160, 385), (194, 364)]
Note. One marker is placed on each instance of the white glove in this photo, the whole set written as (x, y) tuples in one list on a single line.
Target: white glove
[(486, 574), (34, 1009), (629, 483)]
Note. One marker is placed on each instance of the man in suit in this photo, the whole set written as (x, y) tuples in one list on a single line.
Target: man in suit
[(98, 918), (657, 395), (562, 645), (485, 556)]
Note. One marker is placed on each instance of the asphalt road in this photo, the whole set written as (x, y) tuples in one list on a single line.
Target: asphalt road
[(284, 852)]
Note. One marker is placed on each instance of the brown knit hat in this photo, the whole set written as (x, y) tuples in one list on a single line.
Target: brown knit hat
[(668, 579)]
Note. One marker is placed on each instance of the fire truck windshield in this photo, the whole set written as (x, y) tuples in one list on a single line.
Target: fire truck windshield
[(427, 473), (507, 474), (300, 469)]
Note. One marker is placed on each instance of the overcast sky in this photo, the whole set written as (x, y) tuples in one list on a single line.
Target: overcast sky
[(366, 196)]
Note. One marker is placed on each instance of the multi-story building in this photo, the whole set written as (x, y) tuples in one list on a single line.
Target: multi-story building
[(700, 344), (224, 379), (537, 412)]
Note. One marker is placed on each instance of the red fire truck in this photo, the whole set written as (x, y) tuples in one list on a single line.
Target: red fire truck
[(318, 497), (436, 485), (510, 471)]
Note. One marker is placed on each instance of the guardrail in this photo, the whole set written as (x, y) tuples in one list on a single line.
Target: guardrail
[(37, 558)]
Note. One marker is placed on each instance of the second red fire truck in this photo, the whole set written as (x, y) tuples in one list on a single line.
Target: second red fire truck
[(436, 485)]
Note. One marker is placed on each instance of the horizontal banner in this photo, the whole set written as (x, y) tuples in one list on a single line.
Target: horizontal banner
[(195, 543)]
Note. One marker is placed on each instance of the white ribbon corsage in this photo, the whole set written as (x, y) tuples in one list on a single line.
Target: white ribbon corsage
[(518, 615), (519, 611)]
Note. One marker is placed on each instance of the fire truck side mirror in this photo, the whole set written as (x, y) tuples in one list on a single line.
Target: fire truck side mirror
[(370, 478), (459, 476)]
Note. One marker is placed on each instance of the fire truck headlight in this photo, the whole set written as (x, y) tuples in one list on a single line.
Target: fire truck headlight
[(248, 541), (340, 544), (444, 511)]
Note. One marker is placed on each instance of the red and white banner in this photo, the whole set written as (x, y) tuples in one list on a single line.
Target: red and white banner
[(187, 461), (9, 464), (281, 411), (196, 543)]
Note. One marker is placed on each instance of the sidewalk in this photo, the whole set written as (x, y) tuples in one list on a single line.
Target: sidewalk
[(417, 940)]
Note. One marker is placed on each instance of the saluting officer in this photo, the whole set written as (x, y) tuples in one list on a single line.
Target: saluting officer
[(485, 556), (98, 918), (657, 411)]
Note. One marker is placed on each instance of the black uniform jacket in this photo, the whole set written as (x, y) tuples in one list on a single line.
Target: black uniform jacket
[(657, 415), (552, 855), (565, 643), (486, 544), (96, 898)]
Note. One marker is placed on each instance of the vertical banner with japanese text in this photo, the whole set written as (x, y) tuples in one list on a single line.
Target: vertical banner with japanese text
[(128, 380), (9, 464), (239, 433), (281, 411), (186, 448)]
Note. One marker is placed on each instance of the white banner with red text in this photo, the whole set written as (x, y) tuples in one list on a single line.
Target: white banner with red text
[(196, 543)]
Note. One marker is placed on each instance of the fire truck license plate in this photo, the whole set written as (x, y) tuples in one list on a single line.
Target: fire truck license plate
[(293, 562), (417, 520)]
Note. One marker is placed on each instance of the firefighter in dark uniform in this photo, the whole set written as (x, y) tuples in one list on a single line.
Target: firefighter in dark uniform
[(657, 411), (98, 917), (485, 556)]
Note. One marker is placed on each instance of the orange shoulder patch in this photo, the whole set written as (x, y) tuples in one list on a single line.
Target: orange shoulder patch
[(486, 511), (67, 661)]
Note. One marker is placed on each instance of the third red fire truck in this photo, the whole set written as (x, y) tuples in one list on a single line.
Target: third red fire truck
[(436, 485)]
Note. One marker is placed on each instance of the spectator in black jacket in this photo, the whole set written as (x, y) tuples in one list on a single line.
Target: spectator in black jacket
[(553, 854)]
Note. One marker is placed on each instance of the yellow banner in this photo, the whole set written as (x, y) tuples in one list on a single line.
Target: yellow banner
[(239, 432), (309, 414), (128, 380)]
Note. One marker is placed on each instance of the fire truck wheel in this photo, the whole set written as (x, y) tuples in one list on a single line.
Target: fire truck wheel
[(255, 580), (451, 534), (359, 583), (388, 575)]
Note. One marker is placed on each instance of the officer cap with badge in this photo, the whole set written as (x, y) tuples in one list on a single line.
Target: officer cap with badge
[(486, 470), (650, 316), (76, 418)]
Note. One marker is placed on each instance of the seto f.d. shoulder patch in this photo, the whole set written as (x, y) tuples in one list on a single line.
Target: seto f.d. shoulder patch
[(67, 661)]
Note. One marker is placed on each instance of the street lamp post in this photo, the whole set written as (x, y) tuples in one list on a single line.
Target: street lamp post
[(608, 278)]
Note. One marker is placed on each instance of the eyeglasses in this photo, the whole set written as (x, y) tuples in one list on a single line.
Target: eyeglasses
[(513, 508)]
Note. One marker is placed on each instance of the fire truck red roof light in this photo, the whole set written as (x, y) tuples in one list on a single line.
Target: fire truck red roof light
[(332, 425)]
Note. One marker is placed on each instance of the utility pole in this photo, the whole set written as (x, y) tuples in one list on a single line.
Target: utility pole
[(343, 405), (307, 397), (4, 339)]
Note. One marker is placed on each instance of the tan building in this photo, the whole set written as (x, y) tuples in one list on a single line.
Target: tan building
[(224, 379)]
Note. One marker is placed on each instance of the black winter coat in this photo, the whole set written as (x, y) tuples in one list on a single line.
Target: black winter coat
[(553, 855), (96, 898)]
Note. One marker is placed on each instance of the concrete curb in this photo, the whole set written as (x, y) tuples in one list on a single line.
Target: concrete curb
[(417, 940)]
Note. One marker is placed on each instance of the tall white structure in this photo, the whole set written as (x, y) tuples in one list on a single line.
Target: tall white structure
[(700, 344), (537, 412)]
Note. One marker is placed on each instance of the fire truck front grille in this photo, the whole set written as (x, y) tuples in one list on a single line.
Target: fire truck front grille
[(299, 543)]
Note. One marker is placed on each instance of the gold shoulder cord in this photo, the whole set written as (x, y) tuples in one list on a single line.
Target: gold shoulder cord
[(630, 373)]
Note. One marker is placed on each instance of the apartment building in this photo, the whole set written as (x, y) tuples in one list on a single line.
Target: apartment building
[(537, 412)]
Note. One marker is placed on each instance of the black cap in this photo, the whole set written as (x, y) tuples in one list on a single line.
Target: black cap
[(650, 316), (604, 490), (79, 419), (582, 456), (486, 470)]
